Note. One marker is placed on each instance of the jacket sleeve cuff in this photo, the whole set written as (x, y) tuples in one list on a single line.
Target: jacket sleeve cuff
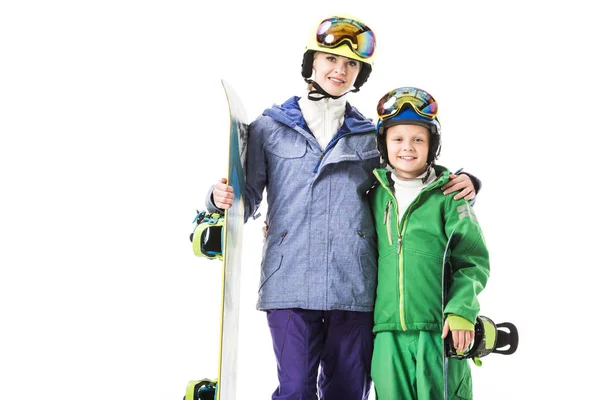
[(458, 323), (210, 204)]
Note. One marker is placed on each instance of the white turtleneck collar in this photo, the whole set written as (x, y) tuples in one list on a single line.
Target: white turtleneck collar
[(324, 117), (416, 182), (406, 191)]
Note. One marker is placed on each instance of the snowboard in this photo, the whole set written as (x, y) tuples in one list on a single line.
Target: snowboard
[(446, 280), (233, 227)]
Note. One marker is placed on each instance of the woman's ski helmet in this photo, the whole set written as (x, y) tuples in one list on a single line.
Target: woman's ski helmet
[(409, 106), (343, 36)]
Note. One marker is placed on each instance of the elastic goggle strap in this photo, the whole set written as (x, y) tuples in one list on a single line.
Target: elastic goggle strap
[(335, 31), (422, 102)]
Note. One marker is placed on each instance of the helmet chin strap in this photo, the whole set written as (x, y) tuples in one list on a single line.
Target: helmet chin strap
[(318, 93)]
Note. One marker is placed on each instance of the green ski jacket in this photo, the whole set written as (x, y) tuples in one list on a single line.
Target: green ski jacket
[(411, 252)]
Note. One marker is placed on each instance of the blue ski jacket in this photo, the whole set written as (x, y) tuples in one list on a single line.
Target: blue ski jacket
[(320, 252)]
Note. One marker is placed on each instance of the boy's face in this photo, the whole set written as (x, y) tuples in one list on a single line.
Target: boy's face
[(407, 147), (335, 74)]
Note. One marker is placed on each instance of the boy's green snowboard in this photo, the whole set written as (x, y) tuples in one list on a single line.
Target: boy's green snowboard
[(232, 252), (446, 274)]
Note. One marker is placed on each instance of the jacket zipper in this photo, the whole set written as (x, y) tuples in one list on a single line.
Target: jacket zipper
[(400, 264), (386, 220), (401, 274), (404, 221)]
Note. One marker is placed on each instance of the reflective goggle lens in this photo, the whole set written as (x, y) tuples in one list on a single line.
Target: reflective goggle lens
[(334, 31), (421, 101)]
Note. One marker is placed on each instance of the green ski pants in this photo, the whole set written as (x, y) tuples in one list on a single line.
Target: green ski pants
[(408, 365)]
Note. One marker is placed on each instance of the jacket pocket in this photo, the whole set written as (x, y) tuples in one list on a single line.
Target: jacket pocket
[(270, 266), (387, 221), (368, 266), (368, 255), (365, 155), (288, 147), (465, 387)]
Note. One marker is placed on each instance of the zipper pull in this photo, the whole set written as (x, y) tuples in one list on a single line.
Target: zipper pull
[(283, 235), (399, 243)]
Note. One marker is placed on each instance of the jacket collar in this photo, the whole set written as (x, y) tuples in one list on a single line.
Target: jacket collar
[(290, 115), (384, 176)]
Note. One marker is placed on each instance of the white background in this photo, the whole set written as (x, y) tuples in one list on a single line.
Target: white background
[(113, 126)]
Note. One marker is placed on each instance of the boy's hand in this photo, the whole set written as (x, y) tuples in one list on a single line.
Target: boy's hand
[(461, 340), (223, 194), (460, 182)]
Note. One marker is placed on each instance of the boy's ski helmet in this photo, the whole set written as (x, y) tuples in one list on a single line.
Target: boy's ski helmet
[(343, 36), (409, 106)]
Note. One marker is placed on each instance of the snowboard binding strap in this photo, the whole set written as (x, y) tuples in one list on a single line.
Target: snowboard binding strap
[(204, 389), (489, 338), (207, 237)]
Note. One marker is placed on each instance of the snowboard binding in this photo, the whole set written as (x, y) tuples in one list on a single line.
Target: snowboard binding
[(489, 338), (201, 390), (207, 237)]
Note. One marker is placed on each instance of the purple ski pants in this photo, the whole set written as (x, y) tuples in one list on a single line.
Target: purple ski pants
[(339, 342)]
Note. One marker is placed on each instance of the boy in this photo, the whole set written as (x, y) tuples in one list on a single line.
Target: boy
[(414, 223)]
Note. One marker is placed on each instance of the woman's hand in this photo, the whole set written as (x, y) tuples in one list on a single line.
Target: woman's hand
[(461, 184), (223, 194)]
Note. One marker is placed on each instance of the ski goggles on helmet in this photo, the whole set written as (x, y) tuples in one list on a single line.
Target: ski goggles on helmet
[(422, 102), (335, 31)]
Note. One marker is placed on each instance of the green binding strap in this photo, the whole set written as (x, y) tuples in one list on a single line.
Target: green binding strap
[(489, 338), (204, 389), (207, 237)]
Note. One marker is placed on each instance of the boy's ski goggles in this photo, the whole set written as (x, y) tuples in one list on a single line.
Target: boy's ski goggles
[(332, 32), (421, 101)]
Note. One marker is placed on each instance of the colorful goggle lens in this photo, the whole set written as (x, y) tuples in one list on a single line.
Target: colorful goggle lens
[(421, 101), (332, 32)]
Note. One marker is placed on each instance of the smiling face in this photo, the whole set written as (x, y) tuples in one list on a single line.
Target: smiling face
[(407, 148), (335, 74)]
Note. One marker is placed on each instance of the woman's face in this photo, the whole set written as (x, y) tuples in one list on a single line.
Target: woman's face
[(335, 74)]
